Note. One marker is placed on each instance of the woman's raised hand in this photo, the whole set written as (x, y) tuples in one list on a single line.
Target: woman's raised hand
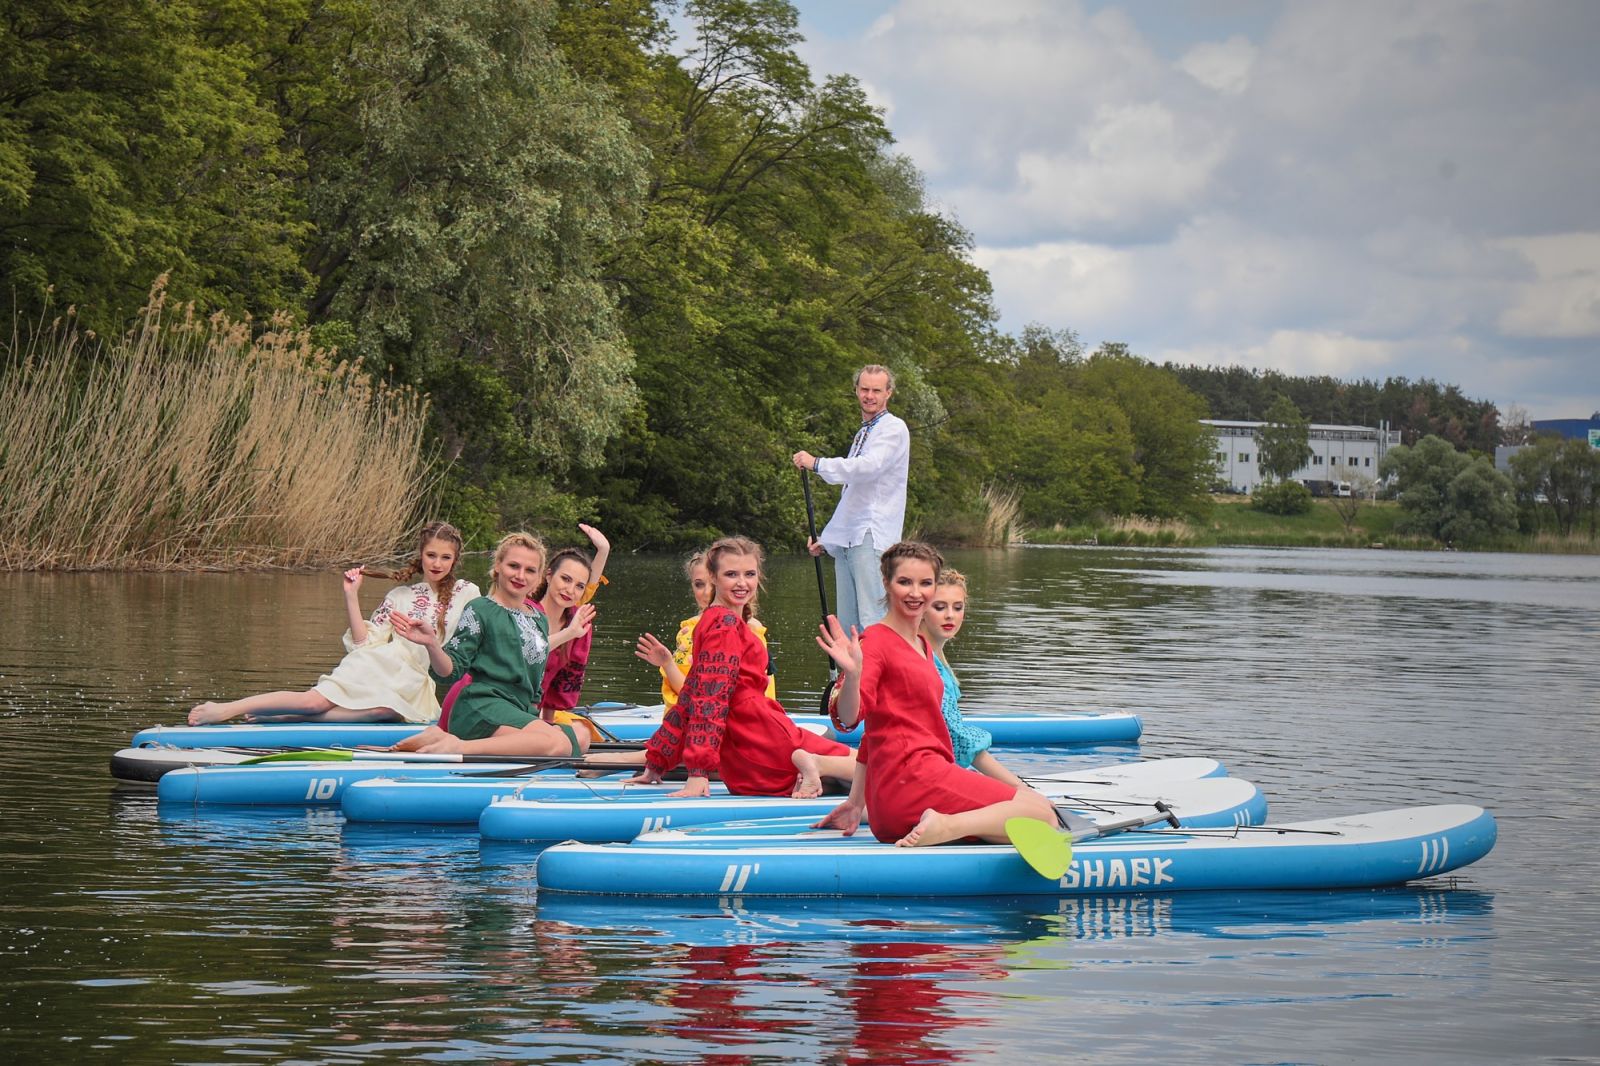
[(352, 579), (843, 648), (414, 631), (597, 538), (653, 651)]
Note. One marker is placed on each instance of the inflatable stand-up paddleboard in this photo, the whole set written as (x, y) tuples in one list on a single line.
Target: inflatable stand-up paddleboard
[(325, 783), (441, 801), (626, 723), (744, 820), (1354, 851)]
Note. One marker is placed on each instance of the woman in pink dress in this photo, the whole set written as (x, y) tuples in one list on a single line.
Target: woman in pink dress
[(907, 782)]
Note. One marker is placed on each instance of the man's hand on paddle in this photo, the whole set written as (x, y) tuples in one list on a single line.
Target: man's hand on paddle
[(814, 547), (804, 461)]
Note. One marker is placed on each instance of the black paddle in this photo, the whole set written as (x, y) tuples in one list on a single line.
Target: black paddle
[(822, 589), (556, 762)]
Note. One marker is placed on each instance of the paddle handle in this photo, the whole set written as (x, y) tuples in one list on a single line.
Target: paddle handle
[(1165, 815)]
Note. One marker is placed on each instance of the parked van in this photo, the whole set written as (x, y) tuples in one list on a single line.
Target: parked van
[(1341, 488)]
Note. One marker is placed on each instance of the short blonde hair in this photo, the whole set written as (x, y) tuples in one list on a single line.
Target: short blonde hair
[(515, 540), (876, 368)]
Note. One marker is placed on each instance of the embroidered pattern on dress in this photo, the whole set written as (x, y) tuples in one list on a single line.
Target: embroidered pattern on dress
[(534, 646), (469, 623)]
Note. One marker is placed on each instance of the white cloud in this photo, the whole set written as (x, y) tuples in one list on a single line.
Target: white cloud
[(1564, 299), (1131, 161), (1354, 188), (1298, 352), (1223, 66)]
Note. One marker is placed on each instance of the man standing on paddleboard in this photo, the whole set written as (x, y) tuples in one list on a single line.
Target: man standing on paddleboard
[(872, 510)]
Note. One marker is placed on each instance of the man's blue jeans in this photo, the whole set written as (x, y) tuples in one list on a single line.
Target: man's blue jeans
[(858, 586)]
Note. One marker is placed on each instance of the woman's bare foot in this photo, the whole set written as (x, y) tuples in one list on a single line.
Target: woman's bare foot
[(932, 828), (416, 741), (209, 713), (808, 783)]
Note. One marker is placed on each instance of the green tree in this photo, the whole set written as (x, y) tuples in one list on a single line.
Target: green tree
[(467, 188), (1281, 497), (1448, 495), (1285, 441), (1561, 474), (133, 144), (1174, 452)]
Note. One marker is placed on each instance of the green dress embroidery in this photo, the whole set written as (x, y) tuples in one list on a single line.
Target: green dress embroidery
[(505, 652)]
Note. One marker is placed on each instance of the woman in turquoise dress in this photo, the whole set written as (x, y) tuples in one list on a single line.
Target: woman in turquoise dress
[(504, 645), (946, 614)]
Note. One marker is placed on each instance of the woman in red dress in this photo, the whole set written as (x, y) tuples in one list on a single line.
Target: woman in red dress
[(907, 782), (724, 721)]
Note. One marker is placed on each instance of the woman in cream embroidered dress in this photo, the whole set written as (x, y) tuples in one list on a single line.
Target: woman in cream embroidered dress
[(380, 679)]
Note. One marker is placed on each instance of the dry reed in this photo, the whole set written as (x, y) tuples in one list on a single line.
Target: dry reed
[(199, 444), (1002, 516)]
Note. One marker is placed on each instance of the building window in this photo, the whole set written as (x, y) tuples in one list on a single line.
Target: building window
[(1222, 457), (1369, 460), (1316, 460), (1244, 457)]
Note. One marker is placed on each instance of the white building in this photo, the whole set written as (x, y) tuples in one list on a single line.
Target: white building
[(1356, 448)]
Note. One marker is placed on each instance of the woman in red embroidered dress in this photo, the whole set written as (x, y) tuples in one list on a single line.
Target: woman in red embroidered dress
[(724, 721), (907, 782)]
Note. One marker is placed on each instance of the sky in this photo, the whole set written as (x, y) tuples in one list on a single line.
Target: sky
[(1354, 188)]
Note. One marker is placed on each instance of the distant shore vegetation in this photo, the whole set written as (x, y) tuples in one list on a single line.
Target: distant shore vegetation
[(539, 262)]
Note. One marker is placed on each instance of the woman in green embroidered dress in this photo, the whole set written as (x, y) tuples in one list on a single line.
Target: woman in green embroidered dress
[(504, 645)]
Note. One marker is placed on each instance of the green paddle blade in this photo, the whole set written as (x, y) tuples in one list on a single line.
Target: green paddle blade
[(1045, 848), (326, 755)]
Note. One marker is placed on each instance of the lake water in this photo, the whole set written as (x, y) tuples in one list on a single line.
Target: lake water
[(1338, 681)]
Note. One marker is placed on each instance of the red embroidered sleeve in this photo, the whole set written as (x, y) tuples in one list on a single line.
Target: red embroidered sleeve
[(707, 694)]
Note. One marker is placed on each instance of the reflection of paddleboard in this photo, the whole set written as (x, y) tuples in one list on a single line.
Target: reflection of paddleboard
[(439, 800), (772, 821), (1355, 851), (1233, 916), (625, 723)]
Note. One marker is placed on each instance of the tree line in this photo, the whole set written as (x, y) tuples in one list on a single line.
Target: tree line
[(630, 274)]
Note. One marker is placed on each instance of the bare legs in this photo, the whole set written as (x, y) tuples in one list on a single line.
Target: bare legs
[(811, 768), (534, 739), (310, 706), (985, 823)]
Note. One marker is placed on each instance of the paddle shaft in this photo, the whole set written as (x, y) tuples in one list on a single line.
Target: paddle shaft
[(385, 755), (822, 589), (554, 762), (811, 528)]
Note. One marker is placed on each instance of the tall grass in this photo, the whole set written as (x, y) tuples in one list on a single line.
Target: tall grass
[(199, 443), (1002, 516)]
